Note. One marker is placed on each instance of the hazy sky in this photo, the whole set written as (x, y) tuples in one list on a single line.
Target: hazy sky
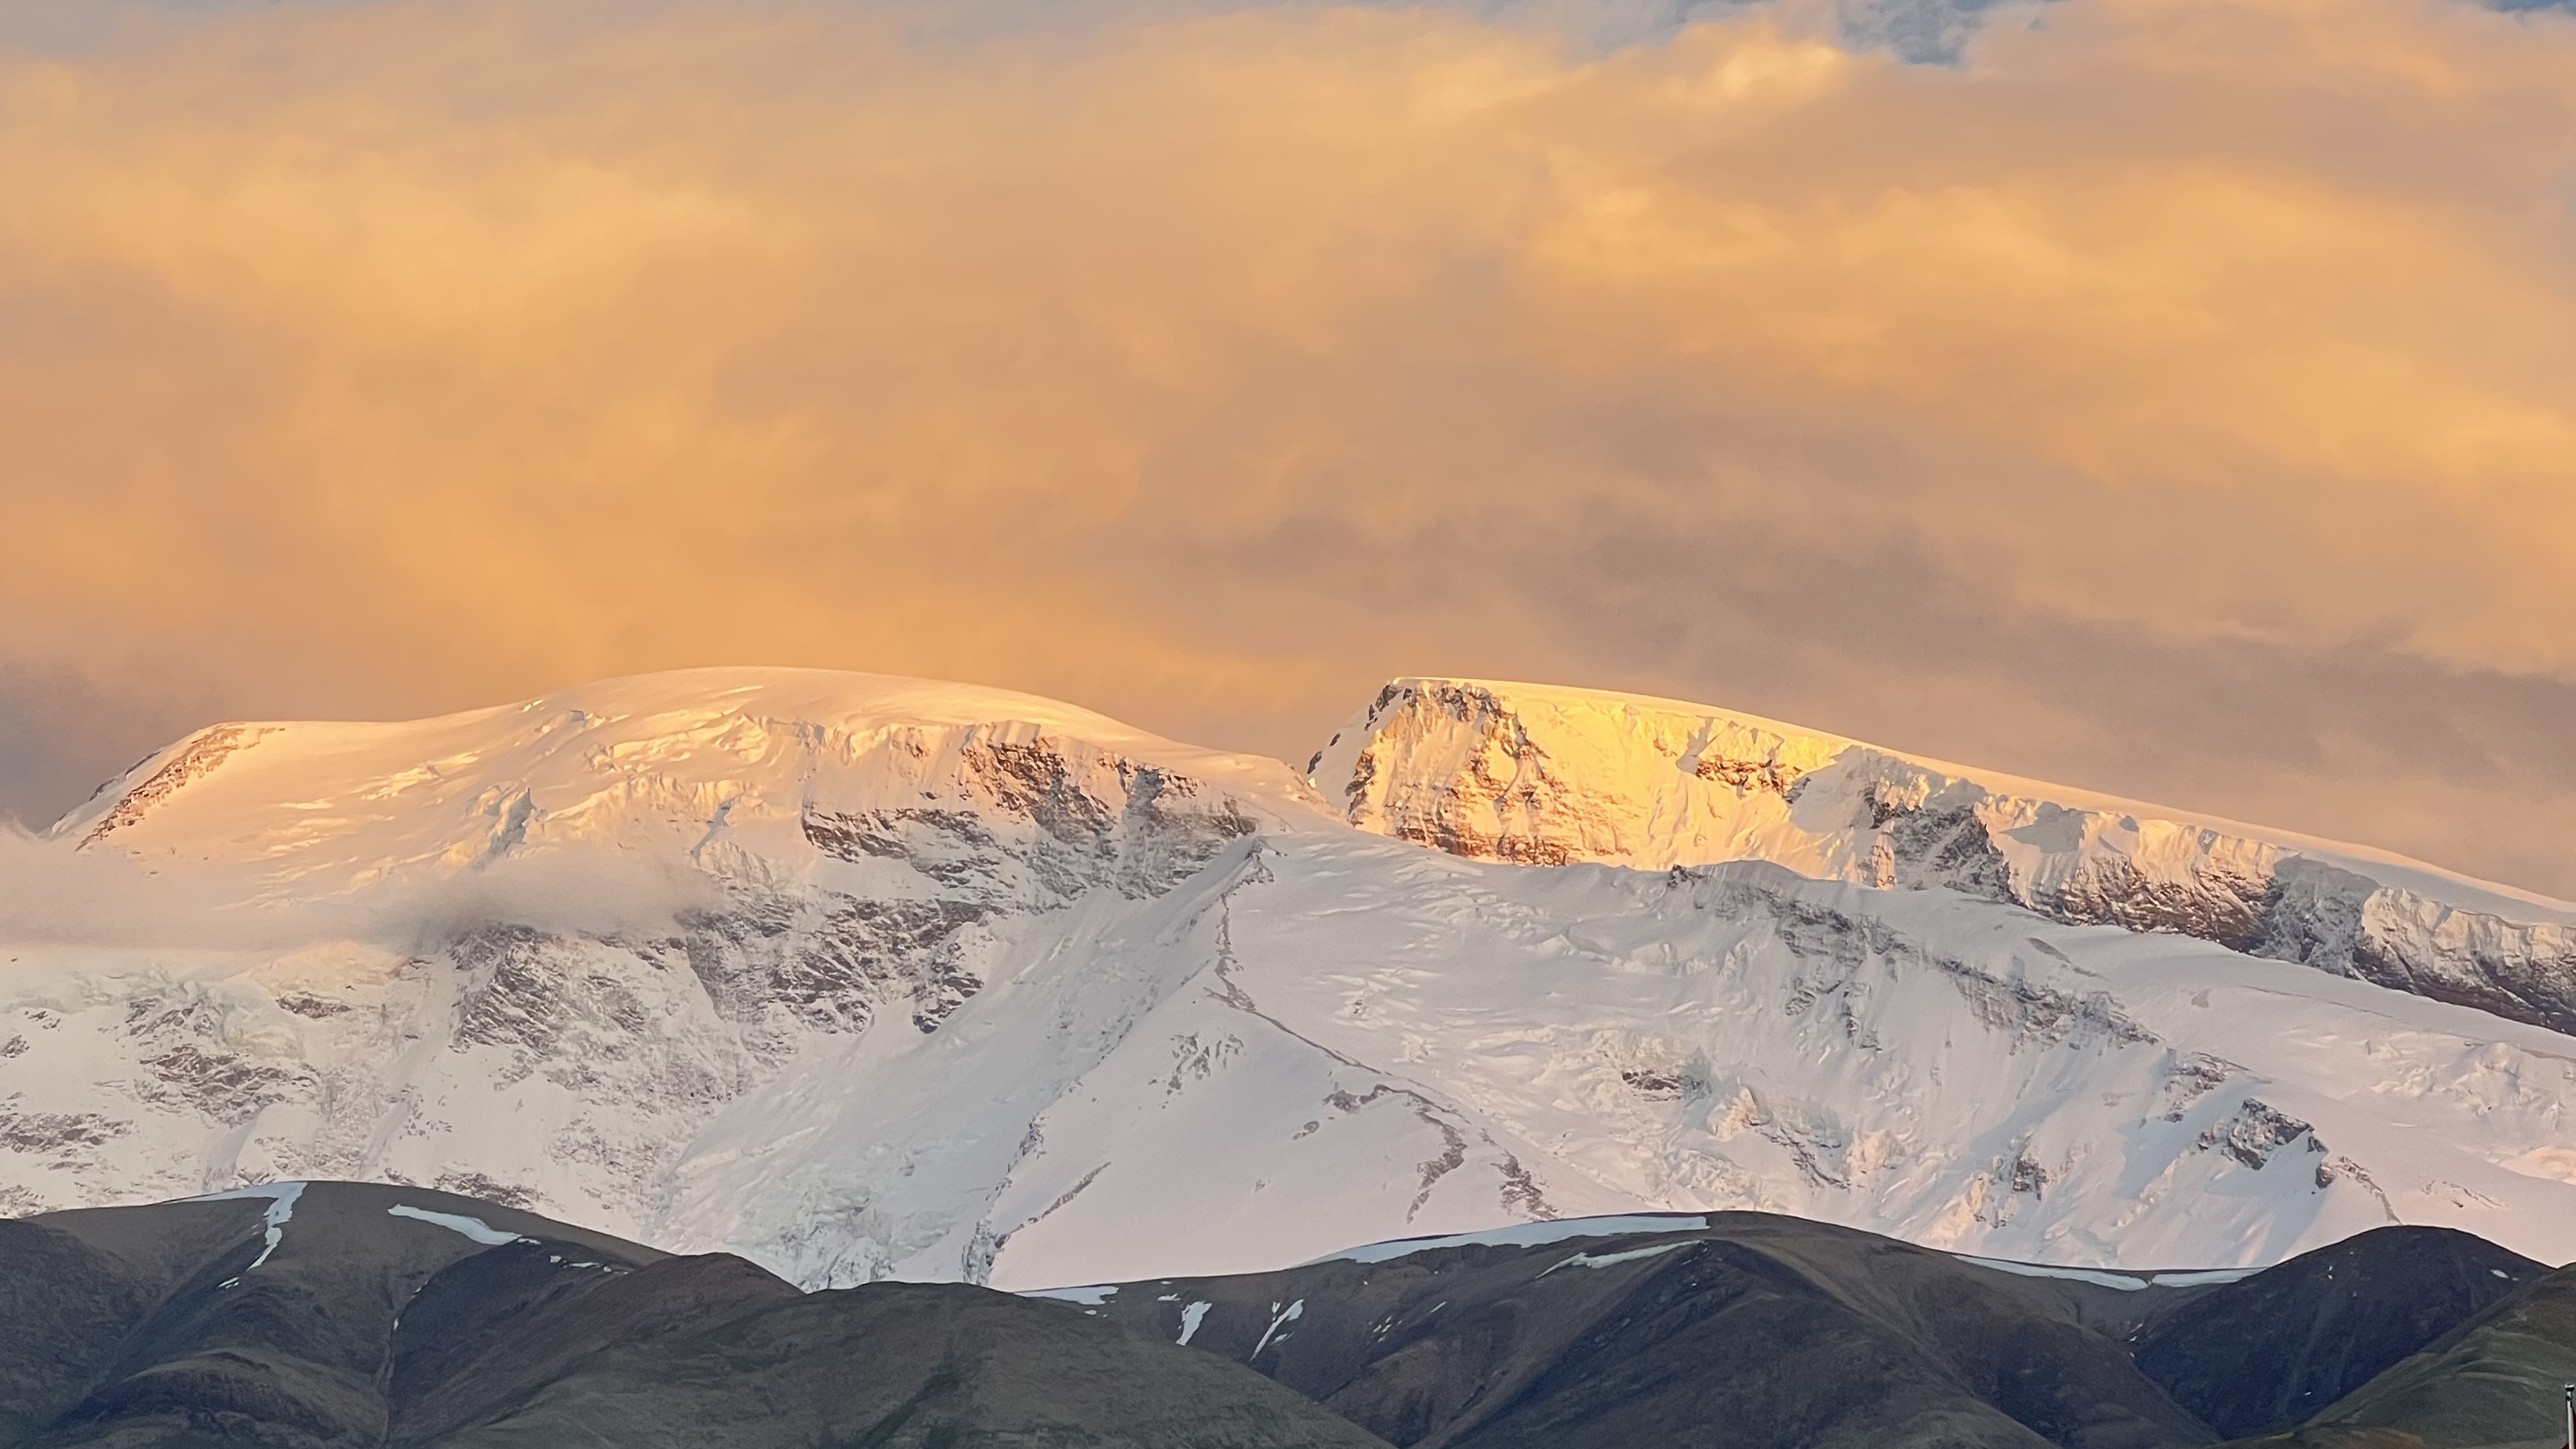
[(2176, 397)]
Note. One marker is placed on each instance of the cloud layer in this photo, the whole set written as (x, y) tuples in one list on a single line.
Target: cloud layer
[(2175, 396), (104, 900)]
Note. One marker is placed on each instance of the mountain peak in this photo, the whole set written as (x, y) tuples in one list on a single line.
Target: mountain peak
[(922, 980), (696, 755), (1539, 774)]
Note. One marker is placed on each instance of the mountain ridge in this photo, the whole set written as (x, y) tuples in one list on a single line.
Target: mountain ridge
[(1827, 744), (1744, 1329), (326, 1315), (1549, 775), (342, 1314), (995, 990)]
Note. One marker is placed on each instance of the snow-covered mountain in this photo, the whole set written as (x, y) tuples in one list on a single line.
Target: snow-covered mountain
[(1546, 775), (920, 980)]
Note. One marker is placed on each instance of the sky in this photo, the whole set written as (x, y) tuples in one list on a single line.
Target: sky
[(2171, 397)]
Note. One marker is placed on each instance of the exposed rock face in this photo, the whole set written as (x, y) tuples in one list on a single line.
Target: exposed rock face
[(131, 797), (1550, 776)]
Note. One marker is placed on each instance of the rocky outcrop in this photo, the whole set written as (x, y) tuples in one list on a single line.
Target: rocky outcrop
[(1551, 776), (136, 791)]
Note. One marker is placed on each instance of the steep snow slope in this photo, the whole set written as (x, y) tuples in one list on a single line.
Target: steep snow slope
[(1547, 775), (954, 983), (803, 854), (1596, 1040)]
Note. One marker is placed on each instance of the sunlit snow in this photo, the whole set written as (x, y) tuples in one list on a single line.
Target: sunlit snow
[(866, 978)]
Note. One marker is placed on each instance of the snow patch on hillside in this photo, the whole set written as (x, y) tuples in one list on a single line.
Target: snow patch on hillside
[(470, 1227)]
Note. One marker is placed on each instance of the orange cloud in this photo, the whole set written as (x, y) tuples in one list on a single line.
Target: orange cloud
[(1202, 367)]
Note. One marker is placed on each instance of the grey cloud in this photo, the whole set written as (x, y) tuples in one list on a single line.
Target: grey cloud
[(62, 735)]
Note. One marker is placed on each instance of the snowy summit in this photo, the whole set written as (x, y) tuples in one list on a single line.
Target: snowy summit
[(864, 977)]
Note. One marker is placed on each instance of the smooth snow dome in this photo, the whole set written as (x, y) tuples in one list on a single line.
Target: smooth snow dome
[(930, 982), (715, 755)]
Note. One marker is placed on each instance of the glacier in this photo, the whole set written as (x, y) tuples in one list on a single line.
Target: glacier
[(929, 981)]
